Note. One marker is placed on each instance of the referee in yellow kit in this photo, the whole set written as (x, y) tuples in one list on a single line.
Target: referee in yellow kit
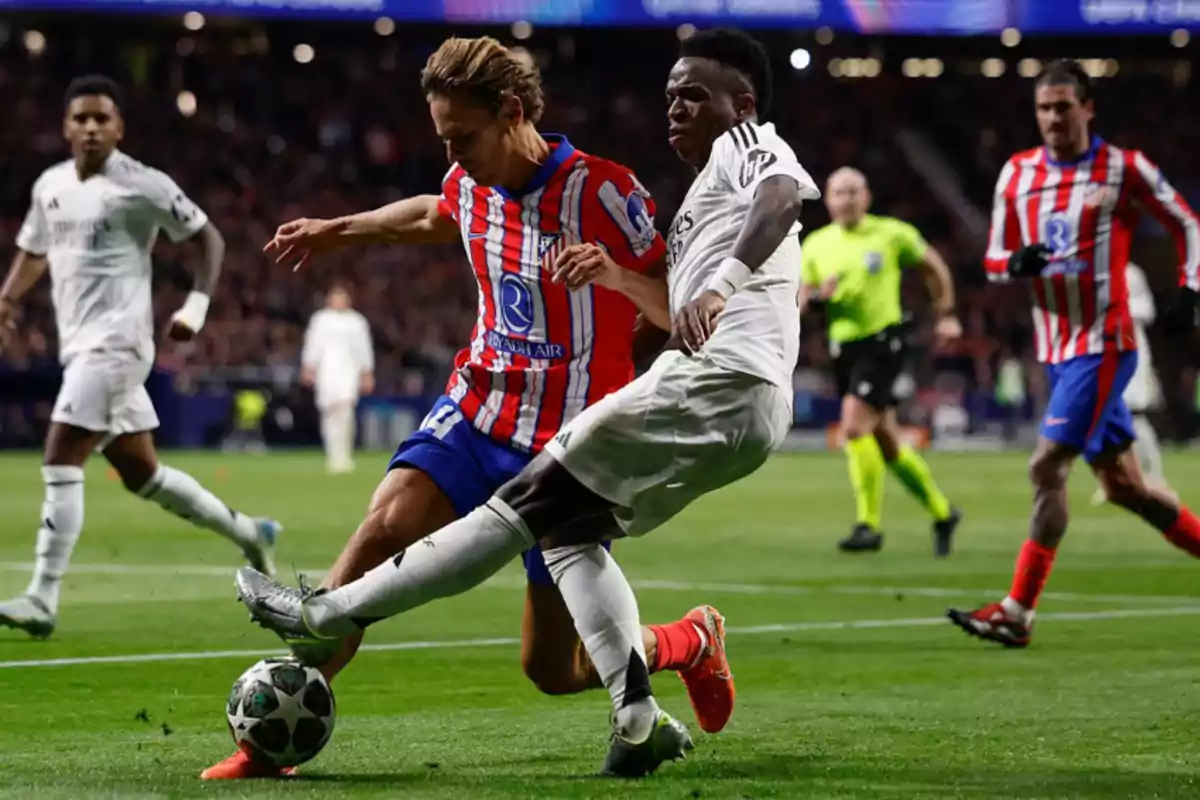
[(852, 267)]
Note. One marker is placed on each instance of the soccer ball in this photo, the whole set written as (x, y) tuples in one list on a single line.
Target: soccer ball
[(281, 712)]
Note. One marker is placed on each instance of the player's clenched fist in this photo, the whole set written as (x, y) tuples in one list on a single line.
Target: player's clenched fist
[(580, 264), (301, 239), (696, 321)]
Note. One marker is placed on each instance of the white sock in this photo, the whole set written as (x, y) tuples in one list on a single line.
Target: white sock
[(458, 557), (62, 521), (1146, 448), (183, 496), (329, 435), (1017, 611), (347, 432), (606, 616)]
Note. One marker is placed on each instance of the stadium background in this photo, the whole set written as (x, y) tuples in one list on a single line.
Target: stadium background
[(264, 111)]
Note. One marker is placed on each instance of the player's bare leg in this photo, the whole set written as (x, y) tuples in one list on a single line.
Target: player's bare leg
[(66, 451), (1120, 476), (1010, 621), (134, 458)]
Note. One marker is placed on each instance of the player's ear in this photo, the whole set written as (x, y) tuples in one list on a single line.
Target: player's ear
[(512, 110), (744, 106), (119, 127)]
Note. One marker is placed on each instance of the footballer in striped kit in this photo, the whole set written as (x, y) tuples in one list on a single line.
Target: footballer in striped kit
[(1063, 219)]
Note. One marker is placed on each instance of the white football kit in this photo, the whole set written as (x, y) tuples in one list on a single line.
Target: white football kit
[(337, 347), (695, 423), (97, 235)]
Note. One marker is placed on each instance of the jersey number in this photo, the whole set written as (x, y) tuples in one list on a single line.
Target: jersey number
[(441, 421)]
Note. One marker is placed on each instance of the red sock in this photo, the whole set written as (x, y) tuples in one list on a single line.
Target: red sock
[(679, 645), (1185, 532), (1033, 567)]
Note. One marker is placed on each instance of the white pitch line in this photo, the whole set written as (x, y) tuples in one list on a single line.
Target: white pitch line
[(786, 627), (506, 582)]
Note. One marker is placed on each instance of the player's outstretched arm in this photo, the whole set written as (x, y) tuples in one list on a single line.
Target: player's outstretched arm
[(581, 264), (413, 220), (27, 269)]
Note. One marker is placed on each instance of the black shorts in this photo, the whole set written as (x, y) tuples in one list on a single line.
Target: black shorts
[(868, 368)]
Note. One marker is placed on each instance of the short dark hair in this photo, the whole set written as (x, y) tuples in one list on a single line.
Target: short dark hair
[(737, 50), (1066, 71), (86, 85)]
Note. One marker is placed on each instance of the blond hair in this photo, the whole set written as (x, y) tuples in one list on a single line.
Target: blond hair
[(485, 71)]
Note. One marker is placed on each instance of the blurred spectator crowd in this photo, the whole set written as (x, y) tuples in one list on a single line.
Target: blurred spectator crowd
[(270, 139)]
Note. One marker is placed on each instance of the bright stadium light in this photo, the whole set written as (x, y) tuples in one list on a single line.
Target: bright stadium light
[(871, 67), (824, 36), (1111, 67), (800, 59), (934, 67), (1180, 38), (303, 53), (992, 67), (835, 67), (685, 31), (522, 30), (385, 26), (193, 20), (1010, 37), (35, 42), (1029, 67), (911, 68), (186, 103)]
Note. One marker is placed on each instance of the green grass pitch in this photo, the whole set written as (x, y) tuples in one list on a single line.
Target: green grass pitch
[(834, 700)]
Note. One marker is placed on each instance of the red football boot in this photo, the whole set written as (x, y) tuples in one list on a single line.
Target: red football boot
[(709, 681), (993, 623), (240, 766)]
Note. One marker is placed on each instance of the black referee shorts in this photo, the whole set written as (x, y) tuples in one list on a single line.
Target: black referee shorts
[(868, 368)]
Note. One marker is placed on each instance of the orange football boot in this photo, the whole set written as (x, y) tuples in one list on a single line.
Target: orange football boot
[(709, 681), (240, 766)]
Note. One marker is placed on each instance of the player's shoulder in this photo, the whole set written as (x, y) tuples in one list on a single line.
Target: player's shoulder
[(607, 169), (454, 174), (53, 175), (745, 137), (820, 236), (128, 171)]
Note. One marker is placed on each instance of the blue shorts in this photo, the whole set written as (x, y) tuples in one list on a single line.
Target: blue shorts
[(467, 465), (1086, 411)]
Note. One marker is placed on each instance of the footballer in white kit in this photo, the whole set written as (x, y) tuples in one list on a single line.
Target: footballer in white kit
[(1143, 395), (696, 421), (338, 364), (92, 224)]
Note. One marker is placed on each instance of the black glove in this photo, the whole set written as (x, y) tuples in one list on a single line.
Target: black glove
[(1180, 317), (1029, 261)]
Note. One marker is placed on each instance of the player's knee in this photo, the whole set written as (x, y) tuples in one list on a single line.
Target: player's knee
[(555, 676), (1122, 489), (1047, 471)]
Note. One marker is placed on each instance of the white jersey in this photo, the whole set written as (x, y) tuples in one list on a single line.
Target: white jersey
[(758, 333), (337, 347), (97, 235), (1143, 392)]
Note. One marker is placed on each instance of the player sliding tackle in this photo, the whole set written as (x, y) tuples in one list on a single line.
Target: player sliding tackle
[(93, 223), (691, 424), (1063, 219), (545, 347)]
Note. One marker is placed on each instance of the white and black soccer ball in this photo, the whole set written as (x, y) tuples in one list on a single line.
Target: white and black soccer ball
[(281, 712)]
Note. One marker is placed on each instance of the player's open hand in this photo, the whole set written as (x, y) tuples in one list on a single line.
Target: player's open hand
[(301, 239), (948, 329), (696, 321), (580, 264)]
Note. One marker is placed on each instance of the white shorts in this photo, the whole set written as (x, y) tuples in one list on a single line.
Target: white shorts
[(683, 429), (105, 391)]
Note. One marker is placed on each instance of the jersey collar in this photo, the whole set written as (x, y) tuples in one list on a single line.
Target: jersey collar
[(560, 150), (1095, 146)]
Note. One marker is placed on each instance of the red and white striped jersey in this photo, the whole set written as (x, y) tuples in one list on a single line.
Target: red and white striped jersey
[(1086, 212), (539, 353)]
